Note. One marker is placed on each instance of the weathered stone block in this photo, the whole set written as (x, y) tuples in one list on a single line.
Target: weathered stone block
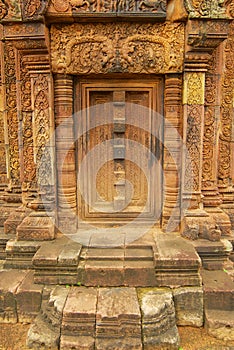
[(28, 298), (158, 320), (10, 280), (189, 306), (220, 324), (104, 273)]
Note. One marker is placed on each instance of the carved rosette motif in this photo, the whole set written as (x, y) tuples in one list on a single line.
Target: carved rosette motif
[(12, 118), (225, 135), (115, 47), (34, 8)]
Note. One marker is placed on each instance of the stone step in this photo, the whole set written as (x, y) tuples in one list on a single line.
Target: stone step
[(218, 290), (4, 238), (212, 254), (177, 263), (20, 298), (56, 262), (105, 319), (19, 254), (220, 324)]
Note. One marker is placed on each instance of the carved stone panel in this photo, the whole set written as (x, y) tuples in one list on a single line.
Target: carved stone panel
[(109, 7), (117, 48), (206, 8)]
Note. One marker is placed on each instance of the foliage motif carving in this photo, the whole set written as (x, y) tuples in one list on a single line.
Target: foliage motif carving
[(208, 150), (195, 89), (226, 111), (12, 118), (206, 8), (32, 8), (115, 47), (3, 9), (193, 138), (29, 169), (42, 130)]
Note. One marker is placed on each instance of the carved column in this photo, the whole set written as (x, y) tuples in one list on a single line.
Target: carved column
[(38, 148), (172, 151), (65, 154)]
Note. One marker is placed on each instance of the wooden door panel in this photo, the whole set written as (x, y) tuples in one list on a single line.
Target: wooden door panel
[(108, 103)]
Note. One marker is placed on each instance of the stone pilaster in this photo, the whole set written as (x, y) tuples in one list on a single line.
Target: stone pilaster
[(197, 116), (225, 165), (65, 154), (211, 196)]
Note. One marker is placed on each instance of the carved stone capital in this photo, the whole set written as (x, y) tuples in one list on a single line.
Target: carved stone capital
[(203, 37)]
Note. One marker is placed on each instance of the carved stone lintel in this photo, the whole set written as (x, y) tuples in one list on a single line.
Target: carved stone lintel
[(117, 48)]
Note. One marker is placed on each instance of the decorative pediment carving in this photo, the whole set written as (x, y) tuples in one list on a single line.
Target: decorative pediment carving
[(117, 47)]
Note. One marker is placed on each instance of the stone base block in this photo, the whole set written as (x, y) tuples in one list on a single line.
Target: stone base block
[(218, 290), (56, 262), (212, 254), (28, 298), (119, 344), (189, 306), (77, 343), (38, 228), (40, 336), (200, 225), (221, 219), (10, 280), (158, 320), (176, 262), (15, 219)]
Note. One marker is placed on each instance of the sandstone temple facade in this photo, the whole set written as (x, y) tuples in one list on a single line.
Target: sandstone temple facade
[(152, 81)]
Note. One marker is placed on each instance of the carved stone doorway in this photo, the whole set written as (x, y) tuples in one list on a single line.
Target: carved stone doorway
[(119, 150)]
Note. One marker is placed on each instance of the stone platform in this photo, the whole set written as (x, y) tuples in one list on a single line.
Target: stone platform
[(128, 297)]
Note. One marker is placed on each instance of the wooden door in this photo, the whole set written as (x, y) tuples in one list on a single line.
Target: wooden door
[(119, 152)]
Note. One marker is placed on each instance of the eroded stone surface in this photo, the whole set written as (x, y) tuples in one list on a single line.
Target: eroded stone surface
[(220, 324), (189, 306), (158, 320)]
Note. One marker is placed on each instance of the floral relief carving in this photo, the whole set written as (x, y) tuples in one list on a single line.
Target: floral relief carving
[(29, 169), (195, 89), (206, 8), (33, 8), (3, 9), (193, 147), (114, 47), (42, 130), (224, 165), (12, 118)]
